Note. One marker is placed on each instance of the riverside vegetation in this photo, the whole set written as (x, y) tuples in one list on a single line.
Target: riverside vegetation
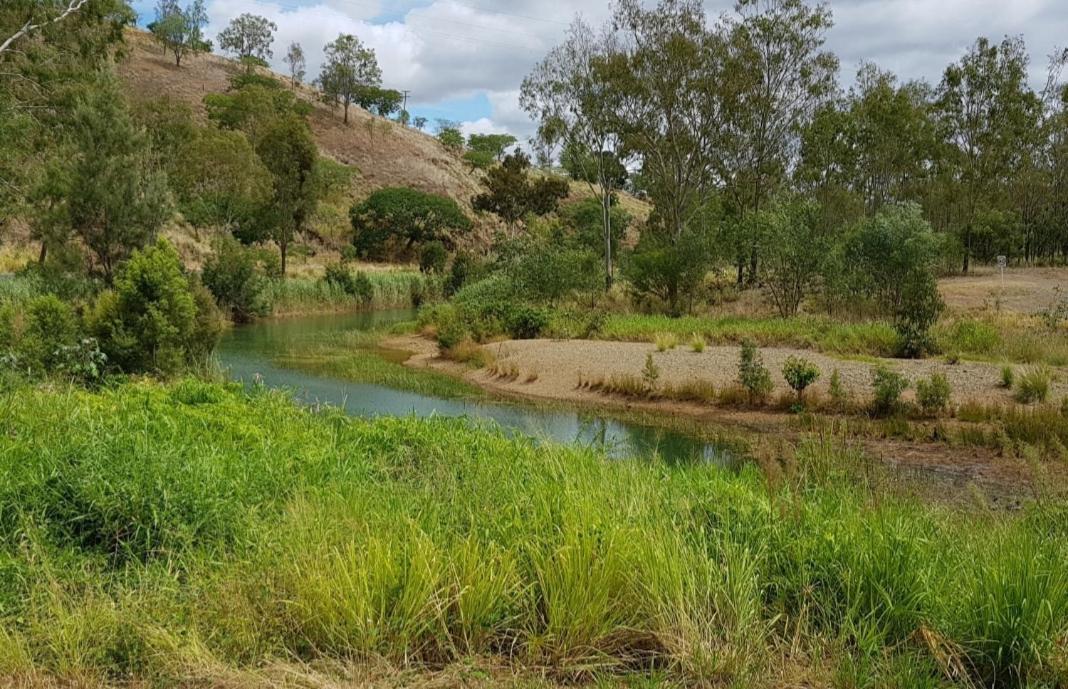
[(289, 535)]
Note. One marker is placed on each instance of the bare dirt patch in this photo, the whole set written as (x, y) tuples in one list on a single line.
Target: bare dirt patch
[(1024, 290)]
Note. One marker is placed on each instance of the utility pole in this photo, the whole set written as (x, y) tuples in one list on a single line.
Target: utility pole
[(405, 92)]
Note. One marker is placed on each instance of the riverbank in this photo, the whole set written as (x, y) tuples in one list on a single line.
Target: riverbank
[(957, 453), (272, 536)]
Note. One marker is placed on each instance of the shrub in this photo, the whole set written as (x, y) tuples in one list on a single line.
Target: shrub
[(51, 325), (650, 373), (933, 393), (354, 284), (463, 270), (151, 320), (432, 257), (1008, 377), (839, 395), (525, 322), (394, 220), (887, 386), (1033, 386), (697, 343), (233, 278), (799, 374), (752, 375), (666, 341), (919, 309)]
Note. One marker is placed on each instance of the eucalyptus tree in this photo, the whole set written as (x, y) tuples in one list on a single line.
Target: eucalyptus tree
[(776, 77), (665, 79), (991, 120), (349, 70), (249, 37), (298, 64), (181, 29), (570, 95)]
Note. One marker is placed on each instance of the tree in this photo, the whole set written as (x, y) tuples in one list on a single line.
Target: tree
[(405, 216), (349, 70), (571, 98), (116, 196), (249, 37), (991, 119), (493, 144), (450, 136), (419, 122), (288, 150), (181, 30), (512, 193), (794, 251), (297, 63), (669, 268), (382, 102), (41, 15), (775, 77), (666, 77), (152, 320)]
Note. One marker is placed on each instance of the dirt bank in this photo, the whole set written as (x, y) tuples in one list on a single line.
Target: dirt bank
[(557, 364)]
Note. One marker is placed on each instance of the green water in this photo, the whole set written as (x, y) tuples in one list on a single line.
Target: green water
[(247, 353)]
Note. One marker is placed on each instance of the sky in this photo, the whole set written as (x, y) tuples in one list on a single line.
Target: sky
[(464, 60)]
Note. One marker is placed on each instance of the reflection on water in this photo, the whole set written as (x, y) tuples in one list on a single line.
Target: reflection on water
[(247, 353)]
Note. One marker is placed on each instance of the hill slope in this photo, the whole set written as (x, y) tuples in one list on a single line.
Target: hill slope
[(385, 153)]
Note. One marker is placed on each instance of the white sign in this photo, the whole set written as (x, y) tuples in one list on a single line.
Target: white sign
[(1002, 262)]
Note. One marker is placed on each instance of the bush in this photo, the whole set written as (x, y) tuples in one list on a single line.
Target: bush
[(464, 269), (353, 284), (752, 375), (839, 395), (525, 322), (933, 393), (51, 325), (799, 374), (887, 386), (234, 279), (1033, 386), (919, 309), (432, 257), (152, 320), (650, 373)]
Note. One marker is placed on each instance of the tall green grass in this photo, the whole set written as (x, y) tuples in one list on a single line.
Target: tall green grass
[(875, 338), (160, 533), (392, 289)]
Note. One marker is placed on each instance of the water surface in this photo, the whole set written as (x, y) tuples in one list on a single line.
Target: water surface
[(248, 353)]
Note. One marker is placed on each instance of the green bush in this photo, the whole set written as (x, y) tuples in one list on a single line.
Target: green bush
[(1008, 377), (1033, 386), (232, 276), (356, 284), (51, 325), (392, 221), (152, 320), (432, 257), (752, 375), (525, 322), (933, 394), (887, 386), (799, 374), (918, 311)]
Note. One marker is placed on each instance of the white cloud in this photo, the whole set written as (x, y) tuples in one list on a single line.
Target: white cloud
[(449, 50)]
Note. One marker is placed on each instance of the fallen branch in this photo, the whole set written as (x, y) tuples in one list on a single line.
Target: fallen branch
[(29, 27)]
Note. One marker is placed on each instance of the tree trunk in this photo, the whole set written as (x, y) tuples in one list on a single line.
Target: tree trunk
[(606, 218), (44, 253), (283, 246), (346, 112)]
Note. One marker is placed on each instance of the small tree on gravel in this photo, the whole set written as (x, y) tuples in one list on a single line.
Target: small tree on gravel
[(800, 373), (752, 374)]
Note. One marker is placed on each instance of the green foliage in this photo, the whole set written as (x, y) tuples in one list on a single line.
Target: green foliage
[(432, 257), (492, 146), (933, 394), (392, 221), (181, 30), (887, 387), (353, 284), (115, 196), (794, 252), (666, 270), (1008, 377), (585, 217), (919, 309), (753, 376), (349, 69), (588, 166), (152, 320), (234, 278), (451, 138), (799, 374), (549, 272), (1033, 385), (249, 37), (464, 269), (513, 193), (51, 327), (839, 394), (650, 373), (288, 150)]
